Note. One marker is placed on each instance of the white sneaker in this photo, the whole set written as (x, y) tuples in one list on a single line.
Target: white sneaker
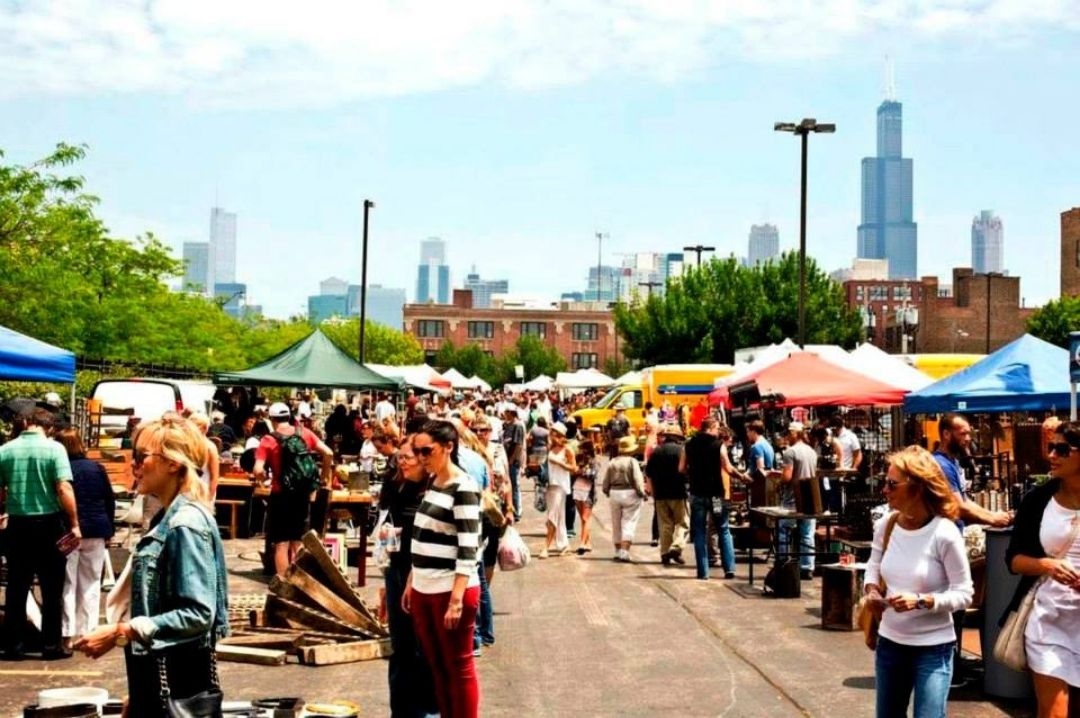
[(543, 553)]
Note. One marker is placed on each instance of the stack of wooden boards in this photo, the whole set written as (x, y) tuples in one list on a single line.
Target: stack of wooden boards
[(314, 613)]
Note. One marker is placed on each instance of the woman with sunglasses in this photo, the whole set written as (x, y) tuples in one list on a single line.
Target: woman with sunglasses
[(1045, 550), (411, 692), (925, 570), (442, 592), (177, 581)]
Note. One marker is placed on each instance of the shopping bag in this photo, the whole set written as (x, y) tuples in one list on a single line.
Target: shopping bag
[(513, 551)]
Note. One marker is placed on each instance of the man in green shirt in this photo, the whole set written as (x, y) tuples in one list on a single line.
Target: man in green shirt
[(36, 492)]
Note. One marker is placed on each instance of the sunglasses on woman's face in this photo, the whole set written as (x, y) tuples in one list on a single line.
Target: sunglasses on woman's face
[(424, 451), (1060, 448), (139, 457), (893, 484)]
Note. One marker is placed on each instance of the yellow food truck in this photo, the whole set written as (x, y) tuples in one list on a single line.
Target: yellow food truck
[(939, 366)]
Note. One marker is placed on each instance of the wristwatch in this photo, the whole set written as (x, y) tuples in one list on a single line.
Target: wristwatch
[(922, 602), (121, 639)]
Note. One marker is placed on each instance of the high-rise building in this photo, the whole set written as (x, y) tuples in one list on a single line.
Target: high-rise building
[(333, 286), (887, 230), (196, 267), (235, 296), (384, 304), (326, 306), (672, 264), (987, 243), (433, 274), (764, 244), (604, 282), (222, 247), (483, 289)]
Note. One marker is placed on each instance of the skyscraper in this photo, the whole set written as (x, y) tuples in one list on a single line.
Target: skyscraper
[(196, 267), (987, 243), (333, 285), (887, 230), (222, 247), (483, 289), (764, 244), (433, 274), (671, 265)]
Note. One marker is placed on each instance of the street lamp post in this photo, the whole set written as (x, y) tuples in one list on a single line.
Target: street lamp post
[(698, 249), (368, 204), (649, 286), (803, 129), (599, 253)]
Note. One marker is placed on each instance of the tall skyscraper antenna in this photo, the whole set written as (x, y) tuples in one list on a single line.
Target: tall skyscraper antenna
[(890, 80)]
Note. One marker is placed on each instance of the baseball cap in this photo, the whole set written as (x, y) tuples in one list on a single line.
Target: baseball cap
[(53, 399), (279, 411), (796, 426)]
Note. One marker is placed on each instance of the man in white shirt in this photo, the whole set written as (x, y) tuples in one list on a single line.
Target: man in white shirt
[(384, 409), (850, 448)]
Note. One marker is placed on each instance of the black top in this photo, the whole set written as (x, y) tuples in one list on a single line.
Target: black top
[(402, 498), (663, 471), (618, 427), (703, 465), (94, 498), (1025, 537)]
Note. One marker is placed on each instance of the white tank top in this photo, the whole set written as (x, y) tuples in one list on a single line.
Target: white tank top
[(557, 475)]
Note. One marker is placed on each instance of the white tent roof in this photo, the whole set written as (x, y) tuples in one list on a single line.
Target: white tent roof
[(582, 379), (630, 377), (540, 383), (457, 379), (479, 383), (420, 376), (874, 362)]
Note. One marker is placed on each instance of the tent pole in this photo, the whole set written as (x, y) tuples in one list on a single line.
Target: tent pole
[(72, 402), (1072, 401)]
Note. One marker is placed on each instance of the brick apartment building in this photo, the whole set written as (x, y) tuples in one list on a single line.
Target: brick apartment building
[(947, 321), (582, 332), (1070, 252)]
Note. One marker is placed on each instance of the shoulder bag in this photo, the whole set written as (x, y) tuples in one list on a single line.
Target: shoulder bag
[(1009, 647), (869, 612), (206, 704)]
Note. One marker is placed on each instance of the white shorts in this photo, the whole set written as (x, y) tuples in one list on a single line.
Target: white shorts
[(581, 495)]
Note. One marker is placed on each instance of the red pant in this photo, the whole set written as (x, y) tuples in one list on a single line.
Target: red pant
[(449, 652)]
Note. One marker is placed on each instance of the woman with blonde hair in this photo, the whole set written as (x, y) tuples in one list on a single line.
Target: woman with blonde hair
[(917, 576), (211, 467), (1045, 550), (177, 581)]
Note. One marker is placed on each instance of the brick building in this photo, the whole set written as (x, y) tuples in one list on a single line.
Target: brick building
[(1070, 252), (885, 305), (582, 332)]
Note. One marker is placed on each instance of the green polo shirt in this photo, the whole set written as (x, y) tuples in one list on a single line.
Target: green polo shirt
[(30, 468)]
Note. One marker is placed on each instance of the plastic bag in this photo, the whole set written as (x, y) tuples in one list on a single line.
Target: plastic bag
[(386, 541), (513, 551), (540, 500)]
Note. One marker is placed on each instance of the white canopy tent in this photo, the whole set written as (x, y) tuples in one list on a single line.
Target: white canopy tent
[(540, 383), (457, 379), (630, 377), (479, 383), (420, 376), (582, 379), (872, 361)]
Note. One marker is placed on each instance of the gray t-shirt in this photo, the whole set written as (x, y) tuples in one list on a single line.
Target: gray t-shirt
[(803, 462)]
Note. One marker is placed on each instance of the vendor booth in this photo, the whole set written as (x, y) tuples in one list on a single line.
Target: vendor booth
[(24, 358), (581, 380)]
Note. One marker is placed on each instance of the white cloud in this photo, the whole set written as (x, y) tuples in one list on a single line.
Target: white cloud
[(323, 52)]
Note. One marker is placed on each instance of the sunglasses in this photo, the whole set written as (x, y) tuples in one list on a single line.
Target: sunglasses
[(139, 457), (892, 484), (1061, 448), (481, 431), (424, 451)]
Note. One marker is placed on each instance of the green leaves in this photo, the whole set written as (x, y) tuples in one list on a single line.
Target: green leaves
[(708, 313), (1053, 321), (530, 352)]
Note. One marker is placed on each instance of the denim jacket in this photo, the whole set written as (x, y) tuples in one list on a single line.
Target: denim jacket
[(179, 589)]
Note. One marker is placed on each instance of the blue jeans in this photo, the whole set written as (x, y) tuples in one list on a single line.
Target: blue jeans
[(900, 669), (515, 469), (806, 529), (412, 692), (727, 545), (485, 615), (700, 508)]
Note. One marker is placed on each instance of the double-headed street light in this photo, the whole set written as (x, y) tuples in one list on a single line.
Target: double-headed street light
[(698, 249), (368, 204), (803, 129)]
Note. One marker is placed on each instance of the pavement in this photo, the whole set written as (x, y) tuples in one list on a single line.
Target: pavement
[(587, 636)]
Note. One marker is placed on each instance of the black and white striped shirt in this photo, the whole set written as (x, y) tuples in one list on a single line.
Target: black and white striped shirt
[(446, 536)]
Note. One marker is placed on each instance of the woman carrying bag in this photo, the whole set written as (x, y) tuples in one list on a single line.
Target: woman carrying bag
[(924, 567), (177, 583), (1045, 550)]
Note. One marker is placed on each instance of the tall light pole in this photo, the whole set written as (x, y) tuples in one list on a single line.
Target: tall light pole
[(803, 129), (649, 286), (599, 253), (699, 248), (368, 204)]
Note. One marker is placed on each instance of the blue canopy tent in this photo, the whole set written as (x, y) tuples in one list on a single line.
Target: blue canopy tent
[(24, 358), (1025, 375)]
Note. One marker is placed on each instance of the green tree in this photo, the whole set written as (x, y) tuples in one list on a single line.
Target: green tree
[(382, 344), (531, 353), (1053, 321), (471, 360), (710, 312)]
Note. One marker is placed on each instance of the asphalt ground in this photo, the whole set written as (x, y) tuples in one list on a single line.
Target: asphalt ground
[(586, 636)]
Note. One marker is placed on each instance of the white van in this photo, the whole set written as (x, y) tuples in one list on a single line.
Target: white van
[(150, 398)]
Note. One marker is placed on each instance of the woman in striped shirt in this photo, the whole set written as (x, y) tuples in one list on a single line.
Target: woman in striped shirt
[(443, 589)]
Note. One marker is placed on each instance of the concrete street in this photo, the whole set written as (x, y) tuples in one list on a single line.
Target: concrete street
[(589, 637)]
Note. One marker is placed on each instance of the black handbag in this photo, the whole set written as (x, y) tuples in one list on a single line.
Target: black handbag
[(206, 704)]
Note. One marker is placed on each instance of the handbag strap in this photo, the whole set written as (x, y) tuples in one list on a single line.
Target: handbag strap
[(1062, 553), (885, 547), (163, 675)]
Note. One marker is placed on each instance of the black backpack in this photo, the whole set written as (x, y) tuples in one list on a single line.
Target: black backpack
[(299, 469)]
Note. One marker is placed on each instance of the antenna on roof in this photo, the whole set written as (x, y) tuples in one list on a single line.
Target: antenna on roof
[(890, 80)]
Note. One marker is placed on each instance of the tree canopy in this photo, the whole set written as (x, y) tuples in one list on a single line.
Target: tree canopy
[(709, 312), (68, 282), (1053, 321), (529, 352)]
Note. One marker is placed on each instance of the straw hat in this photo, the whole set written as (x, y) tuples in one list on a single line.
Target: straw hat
[(559, 428), (627, 445), (671, 429)]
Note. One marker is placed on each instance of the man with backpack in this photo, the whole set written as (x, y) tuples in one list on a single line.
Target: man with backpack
[(298, 462)]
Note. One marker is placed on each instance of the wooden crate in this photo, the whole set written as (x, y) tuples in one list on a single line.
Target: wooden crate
[(841, 588)]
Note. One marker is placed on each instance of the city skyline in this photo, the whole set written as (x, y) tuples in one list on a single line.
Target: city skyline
[(987, 243), (654, 128)]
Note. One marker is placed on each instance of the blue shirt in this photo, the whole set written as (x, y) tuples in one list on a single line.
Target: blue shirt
[(761, 449), (474, 465), (954, 475)]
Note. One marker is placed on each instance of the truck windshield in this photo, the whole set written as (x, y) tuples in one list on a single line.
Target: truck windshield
[(608, 399)]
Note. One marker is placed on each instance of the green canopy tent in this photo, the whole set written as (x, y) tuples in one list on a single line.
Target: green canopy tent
[(314, 362)]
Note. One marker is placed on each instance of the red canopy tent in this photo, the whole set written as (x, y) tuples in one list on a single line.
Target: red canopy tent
[(805, 379)]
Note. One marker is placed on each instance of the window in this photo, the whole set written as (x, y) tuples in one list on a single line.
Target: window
[(860, 292), (429, 328), (534, 329), (586, 332), (629, 400), (879, 293), (584, 361), (481, 330), (901, 292)]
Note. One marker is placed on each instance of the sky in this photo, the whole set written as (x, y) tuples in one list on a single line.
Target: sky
[(515, 130)]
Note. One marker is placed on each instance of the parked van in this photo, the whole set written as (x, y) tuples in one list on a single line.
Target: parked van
[(150, 398), (677, 383)]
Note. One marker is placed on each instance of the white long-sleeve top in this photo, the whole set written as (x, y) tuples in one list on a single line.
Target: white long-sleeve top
[(929, 561)]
